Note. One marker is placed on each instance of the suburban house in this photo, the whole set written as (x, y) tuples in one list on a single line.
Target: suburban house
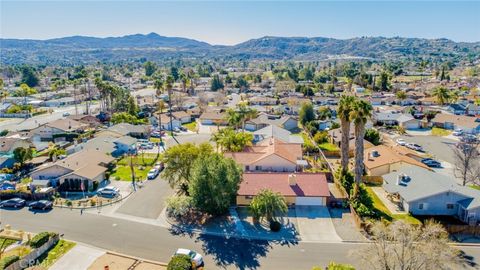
[(297, 188), (213, 118), (473, 110), (136, 131), (182, 116), (114, 146), (335, 136), (90, 120), (271, 155), (7, 146), (457, 109), (278, 133), (423, 192), (396, 119), (381, 159), (165, 121), (84, 169), (262, 100), (58, 127), (263, 120), (468, 124)]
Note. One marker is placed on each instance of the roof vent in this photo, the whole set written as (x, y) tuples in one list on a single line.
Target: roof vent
[(403, 179), (374, 154), (292, 180)]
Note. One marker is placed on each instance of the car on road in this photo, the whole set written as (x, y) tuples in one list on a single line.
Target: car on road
[(194, 256), (457, 132), (184, 129), (41, 205), (414, 146), (176, 129), (401, 142), (108, 191), (431, 163), (146, 146), (152, 174), (65, 114), (13, 203), (159, 166)]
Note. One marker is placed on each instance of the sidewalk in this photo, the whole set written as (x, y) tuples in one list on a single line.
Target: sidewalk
[(79, 257)]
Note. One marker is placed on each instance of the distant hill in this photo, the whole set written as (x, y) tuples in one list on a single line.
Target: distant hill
[(81, 49)]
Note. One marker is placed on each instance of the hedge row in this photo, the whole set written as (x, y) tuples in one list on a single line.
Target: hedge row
[(8, 261), (40, 239)]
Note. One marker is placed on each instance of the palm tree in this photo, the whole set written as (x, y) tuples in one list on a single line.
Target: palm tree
[(453, 96), (344, 109), (54, 151), (442, 94), (401, 95), (169, 86), (268, 204), (233, 118), (361, 112), (246, 113)]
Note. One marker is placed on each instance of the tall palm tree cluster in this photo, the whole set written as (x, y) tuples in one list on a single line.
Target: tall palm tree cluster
[(352, 109), (444, 95), (113, 98), (236, 118)]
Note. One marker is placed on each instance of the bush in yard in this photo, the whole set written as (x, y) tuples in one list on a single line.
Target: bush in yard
[(5, 262), (269, 205), (178, 206), (321, 137), (275, 226), (180, 262), (339, 266), (372, 136), (39, 239)]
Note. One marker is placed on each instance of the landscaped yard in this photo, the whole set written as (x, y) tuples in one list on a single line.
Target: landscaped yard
[(475, 186), (378, 204), (5, 242), (328, 147), (141, 167), (50, 257), (191, 126), (440, 132)]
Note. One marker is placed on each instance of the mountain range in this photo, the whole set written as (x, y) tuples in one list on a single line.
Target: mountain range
[(84, 50)]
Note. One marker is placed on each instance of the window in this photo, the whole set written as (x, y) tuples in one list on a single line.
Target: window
[(450, 205), (258, 168), (420, 206), (247, 168)]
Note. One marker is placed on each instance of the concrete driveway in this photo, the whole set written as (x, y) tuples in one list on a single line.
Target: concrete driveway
[(315, 224)]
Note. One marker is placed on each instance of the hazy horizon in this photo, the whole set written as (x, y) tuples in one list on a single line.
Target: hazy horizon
[(231, 22)]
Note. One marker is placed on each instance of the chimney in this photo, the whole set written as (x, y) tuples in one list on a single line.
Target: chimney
[(292, 180)]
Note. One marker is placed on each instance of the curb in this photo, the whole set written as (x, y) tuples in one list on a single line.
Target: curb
[(135, 258), (94, 207)]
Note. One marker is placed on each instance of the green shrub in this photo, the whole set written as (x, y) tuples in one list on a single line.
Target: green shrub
[(178, 206), (338, 266), (275, 226), (321, 137), (40, 239), (8, 261), (180, 262)]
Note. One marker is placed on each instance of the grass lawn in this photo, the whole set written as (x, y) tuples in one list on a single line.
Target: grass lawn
[(20, 251), (328, 147), (190, 126), (440, 132), (141, 166), (378, 204), (475, 187), (5, 242), (55, 253)]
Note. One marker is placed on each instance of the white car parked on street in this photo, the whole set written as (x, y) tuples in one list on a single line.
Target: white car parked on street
[(196, 258), (401, 142)]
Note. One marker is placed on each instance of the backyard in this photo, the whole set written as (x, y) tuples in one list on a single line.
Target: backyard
[(142, 163), (378, 204)]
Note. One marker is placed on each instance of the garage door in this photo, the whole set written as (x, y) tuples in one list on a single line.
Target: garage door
[(310, 201), (207, 122)]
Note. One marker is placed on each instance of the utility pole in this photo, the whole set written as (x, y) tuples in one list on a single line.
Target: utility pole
[(133, 172)]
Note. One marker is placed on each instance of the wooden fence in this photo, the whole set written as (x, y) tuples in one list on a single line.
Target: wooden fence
[(464, 229), (30, 259)]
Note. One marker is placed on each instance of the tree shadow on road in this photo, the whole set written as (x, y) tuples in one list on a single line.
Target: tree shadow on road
[(243, 253)]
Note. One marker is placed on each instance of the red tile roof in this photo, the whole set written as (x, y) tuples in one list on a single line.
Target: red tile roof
[(307, 184)]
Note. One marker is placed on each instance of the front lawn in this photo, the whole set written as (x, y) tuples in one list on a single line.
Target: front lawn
[(141, 167), (328, 147), (191, 126), (475, 187), (55, 253), (440, 132), (380, 206)]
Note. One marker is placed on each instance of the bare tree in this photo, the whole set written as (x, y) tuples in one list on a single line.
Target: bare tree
[(404, 246), (467, 161)]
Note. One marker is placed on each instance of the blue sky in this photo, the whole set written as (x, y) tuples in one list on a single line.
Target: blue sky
[(231, 22)]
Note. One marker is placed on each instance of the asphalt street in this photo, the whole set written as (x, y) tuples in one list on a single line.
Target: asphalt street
[(148, 201), (158, 243), (439, 147)]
